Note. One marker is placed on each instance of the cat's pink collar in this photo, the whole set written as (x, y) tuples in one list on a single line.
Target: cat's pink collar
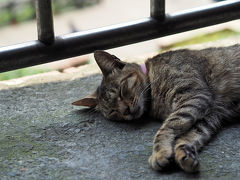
[(144, 68)]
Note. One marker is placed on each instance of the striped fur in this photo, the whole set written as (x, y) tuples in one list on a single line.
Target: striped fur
[(193, 92), (198, 91)]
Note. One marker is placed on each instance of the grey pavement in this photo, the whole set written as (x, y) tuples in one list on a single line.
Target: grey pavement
[(42, 136)]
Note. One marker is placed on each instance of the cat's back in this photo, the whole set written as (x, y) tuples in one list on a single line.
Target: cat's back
[(179, 59), (212, 64), (216, 68)]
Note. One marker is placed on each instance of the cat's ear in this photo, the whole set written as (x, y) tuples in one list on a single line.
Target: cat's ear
[(89, 101), (107, 62)]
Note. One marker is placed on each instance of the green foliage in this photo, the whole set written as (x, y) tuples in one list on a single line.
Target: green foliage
[(5, 17), (203, 38), (20, 73), (26, 11)]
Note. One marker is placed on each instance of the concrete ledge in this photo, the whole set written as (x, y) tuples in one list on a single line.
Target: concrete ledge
[(43, 137)]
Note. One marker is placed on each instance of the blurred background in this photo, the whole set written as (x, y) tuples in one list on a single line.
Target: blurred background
[(17, 25)]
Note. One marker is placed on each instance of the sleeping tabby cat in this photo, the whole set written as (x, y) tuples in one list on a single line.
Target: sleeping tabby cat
[(193, 91)]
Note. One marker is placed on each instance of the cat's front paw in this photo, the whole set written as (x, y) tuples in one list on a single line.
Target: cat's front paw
[(186, 158), (161, 159)]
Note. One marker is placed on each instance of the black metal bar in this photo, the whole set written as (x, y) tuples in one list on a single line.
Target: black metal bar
[(35, 52), (157, 9), (44, 21)]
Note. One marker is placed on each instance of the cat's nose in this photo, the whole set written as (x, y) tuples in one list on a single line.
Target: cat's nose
[(127, 111)]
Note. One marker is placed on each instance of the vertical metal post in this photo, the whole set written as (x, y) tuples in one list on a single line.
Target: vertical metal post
[(44, 21), (158, 9)]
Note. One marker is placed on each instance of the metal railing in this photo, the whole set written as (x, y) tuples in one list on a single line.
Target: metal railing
[(49, 48)]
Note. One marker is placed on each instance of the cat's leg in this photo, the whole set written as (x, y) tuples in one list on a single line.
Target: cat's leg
[(187, 146), (183, 118)]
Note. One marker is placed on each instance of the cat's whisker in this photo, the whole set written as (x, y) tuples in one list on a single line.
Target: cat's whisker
[(142, 93), (147, 87), (136, 99), (92, 111)]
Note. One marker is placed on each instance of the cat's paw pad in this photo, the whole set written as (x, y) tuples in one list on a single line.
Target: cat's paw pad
[(159, 160), (186, 157)]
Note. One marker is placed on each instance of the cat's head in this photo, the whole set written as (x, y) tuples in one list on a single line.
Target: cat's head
[(122, 92)]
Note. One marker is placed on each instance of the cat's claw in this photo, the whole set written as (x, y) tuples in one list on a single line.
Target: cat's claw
[(186, 158)]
